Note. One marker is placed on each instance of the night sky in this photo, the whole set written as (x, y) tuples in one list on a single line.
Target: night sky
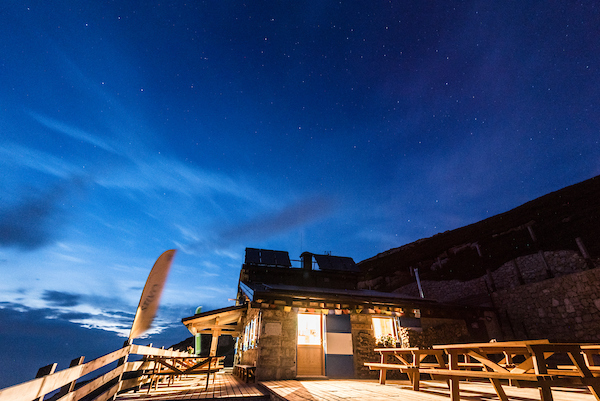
[(133, 127)]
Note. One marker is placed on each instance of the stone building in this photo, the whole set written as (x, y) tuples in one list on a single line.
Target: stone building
[(313, 321)]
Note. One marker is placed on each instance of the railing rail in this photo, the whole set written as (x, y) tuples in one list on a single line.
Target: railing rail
[(39, 387)]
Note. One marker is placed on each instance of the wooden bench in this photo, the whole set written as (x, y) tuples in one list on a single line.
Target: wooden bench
[(245, 372), (454, 376), (413, 372), (476, 374)]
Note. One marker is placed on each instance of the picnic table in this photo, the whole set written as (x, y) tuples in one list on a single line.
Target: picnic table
[(589, 350), (522, 363), (533, 371), (180, 366), (410, 361)]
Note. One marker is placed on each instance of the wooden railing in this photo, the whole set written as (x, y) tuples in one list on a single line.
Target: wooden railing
[(103, 387)]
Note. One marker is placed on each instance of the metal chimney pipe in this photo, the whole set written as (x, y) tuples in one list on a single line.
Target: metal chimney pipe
[(306, 258)]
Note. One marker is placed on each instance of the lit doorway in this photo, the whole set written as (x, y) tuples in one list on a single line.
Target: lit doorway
[(309, 354)]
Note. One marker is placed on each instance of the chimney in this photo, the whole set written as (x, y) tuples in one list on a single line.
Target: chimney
[(306, 258)]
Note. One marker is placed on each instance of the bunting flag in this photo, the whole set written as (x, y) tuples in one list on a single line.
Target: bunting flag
[(389, 311), (150, 298)]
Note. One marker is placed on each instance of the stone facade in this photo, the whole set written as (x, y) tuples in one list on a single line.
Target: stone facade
[(435, 331), (445, 291), (565, 309), (550, 295), (275, 353), (363, 342), (512, 274)]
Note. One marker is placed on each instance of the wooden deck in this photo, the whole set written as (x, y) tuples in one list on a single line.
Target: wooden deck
[(224, 386), (355, 390)]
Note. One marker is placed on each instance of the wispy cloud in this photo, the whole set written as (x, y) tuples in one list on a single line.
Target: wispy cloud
[(262, 226), (145, 170), (21, 156), (73, 132)]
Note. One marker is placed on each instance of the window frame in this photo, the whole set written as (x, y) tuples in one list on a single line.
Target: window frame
[(251, 333), (395, 327)]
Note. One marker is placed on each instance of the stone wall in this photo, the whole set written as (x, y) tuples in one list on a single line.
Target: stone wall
[(277, 345), (565, 308), (512, 274), (445, 291), (550, 295), (435, 331), (363, 342)]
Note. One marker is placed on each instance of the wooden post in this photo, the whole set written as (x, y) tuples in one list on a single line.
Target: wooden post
[(122, 362), (584, 253), (549, 273), (416, 376), (531, 233), (45, 371), (216, 332), (582, 248), (518, 272), (67, 388), (454, 380), (540, 368)]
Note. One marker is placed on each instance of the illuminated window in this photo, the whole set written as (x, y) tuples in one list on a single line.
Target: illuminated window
[(251, 334), (309, 329), (384, 327)]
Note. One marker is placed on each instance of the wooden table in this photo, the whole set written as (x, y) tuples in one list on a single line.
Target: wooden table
[(192, 365), (410, 361), (589, 350), (533, 371)]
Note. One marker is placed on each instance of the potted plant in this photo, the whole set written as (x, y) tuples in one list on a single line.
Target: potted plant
[(386, 341)]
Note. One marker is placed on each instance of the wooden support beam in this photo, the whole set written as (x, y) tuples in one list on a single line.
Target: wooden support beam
[(45, 371), (67, 388)]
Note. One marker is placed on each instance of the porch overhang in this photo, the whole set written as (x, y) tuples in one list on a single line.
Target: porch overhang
[(224, 321)]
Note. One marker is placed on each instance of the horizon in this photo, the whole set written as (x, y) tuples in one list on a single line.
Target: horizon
[(129, 129)]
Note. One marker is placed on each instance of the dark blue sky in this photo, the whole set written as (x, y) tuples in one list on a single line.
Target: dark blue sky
[(129, 128)]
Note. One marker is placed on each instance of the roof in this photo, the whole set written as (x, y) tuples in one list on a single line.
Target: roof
[(258, 290), (224, 320)]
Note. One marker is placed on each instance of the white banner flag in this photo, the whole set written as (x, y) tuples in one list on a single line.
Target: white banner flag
[(151, 295)]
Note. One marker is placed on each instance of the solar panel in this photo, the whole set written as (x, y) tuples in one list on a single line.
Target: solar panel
[(338, 263), (267, 257), (252, 256), (282, 259)]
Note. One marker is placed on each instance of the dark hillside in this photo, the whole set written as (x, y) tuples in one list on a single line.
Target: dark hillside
[(551, 222)]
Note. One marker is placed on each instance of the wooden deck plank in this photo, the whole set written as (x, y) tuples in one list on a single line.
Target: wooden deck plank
[(224, 386), (355, 390), (227, 386)]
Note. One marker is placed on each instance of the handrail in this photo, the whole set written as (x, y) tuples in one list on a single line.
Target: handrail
[(36, 388)]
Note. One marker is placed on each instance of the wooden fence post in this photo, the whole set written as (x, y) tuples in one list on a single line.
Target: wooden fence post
[(44, 371), (122, 362), (67, 388)]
